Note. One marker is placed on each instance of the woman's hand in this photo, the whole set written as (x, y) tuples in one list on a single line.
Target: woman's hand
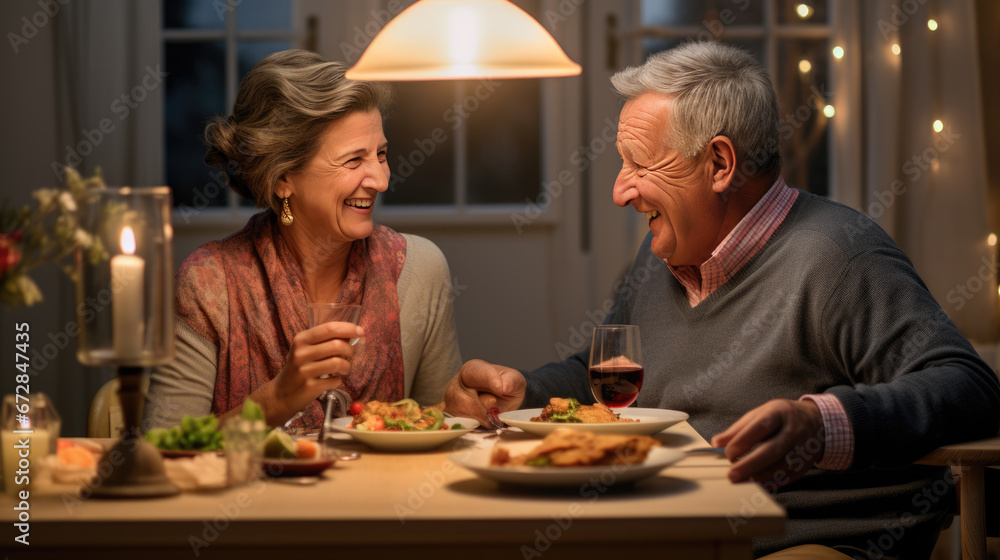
[(317, 361)]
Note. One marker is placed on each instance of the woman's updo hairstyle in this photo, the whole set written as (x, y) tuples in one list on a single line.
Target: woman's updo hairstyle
[(282, 107)]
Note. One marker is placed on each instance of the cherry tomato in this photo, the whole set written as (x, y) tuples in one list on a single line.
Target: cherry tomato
[(376, 424), (356, 408)]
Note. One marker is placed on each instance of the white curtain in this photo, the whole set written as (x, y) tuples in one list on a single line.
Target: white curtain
[(111, 79), (928, 189)]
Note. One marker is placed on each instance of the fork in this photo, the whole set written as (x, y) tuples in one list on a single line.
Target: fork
[(717, 450), (493, 415)]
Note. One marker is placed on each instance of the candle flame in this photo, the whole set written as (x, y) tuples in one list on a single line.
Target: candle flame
[(128, 241)]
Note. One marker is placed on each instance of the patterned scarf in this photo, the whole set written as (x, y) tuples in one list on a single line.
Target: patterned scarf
[(267, 308)]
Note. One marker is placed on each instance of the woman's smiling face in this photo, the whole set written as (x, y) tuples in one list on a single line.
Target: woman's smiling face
[(332, 197), (675, 193)]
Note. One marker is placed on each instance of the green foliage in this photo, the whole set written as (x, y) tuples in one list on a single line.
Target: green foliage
[(200, 434), (49, 232)]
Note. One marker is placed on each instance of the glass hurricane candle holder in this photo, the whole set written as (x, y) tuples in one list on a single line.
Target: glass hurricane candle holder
[(125, 281), (125, 311)]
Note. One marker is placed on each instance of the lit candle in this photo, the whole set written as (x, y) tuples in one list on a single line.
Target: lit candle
[(127, 307)]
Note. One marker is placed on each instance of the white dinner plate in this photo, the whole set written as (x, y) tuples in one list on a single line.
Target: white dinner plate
[(650, 421), (478, 461), (405, 441)]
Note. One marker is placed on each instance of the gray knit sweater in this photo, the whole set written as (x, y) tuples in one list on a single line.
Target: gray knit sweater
[(829, 304)]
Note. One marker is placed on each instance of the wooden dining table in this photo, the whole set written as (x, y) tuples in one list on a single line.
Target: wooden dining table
[(419, 505)]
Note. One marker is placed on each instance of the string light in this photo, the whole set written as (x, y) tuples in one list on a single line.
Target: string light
[(838, 52), (932, 24), (991, 240), (805, 11), (829, 111), (805, 66), (938, 126), (895, 49)]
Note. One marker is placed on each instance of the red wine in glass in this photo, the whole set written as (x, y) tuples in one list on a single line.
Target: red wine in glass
[(616, 386)]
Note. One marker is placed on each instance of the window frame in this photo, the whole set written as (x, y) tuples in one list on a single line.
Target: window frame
[(233, 214), (461, 213), (771, 32)]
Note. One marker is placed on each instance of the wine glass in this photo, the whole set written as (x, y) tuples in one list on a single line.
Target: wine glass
[(615, 365), (318, 314)]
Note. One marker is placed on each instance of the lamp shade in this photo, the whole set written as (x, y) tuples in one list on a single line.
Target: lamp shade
[(462, 39)]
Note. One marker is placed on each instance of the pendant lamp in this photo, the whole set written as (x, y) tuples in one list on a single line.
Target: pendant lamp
[(462, 39)]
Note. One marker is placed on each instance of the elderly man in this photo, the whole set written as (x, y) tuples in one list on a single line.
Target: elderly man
[(791, 328)]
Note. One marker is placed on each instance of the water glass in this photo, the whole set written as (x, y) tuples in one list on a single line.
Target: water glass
[(319, 313), (244, 443), (30, 427)]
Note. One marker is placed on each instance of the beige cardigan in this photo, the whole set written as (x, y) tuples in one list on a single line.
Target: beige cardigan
[(427, 329)]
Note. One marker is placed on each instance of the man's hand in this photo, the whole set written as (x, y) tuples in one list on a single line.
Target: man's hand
[(480, 385), (776, 442)]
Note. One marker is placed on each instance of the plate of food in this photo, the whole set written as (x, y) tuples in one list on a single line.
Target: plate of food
[(288, 456), (402, 426), (193, 437), (597, 418), (571, 458)]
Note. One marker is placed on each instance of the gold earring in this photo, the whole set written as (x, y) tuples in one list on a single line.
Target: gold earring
[(286, 214)]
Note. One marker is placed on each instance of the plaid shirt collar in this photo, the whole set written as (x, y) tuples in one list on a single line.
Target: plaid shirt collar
[(749, 235)]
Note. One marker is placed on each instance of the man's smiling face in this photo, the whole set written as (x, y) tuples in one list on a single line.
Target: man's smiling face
[(675, 193)]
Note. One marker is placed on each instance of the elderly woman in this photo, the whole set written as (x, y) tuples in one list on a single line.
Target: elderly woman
[(307, 144)]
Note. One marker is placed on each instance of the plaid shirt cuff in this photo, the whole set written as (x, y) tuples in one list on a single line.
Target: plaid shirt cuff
[(839, 448)]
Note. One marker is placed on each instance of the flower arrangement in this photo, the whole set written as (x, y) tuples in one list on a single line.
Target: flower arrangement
[(48, 232)]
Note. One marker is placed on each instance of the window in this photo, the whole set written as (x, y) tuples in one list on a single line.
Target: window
[(792, 39), (455, 145), (208, 48)]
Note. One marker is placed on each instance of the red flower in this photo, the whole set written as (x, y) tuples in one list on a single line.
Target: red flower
[(10, 253)]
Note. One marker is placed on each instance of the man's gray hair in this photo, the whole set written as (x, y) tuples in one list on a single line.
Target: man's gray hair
[(716, 89)]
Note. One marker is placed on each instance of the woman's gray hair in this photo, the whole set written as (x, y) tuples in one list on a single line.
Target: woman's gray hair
[(284, 104), (716, 89)]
